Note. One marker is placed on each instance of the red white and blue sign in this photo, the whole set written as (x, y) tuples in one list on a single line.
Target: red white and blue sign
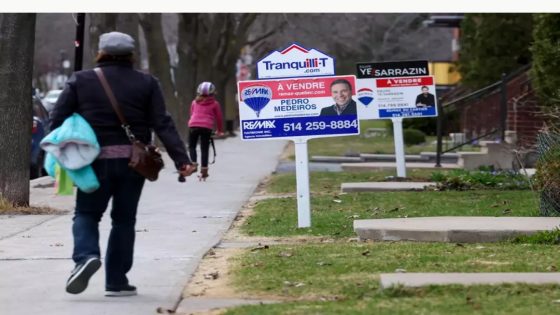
[(396, 89), (305, 107), (295, 61)]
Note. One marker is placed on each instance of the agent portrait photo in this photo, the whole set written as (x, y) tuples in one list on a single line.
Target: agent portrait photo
[(425, 99), (341, 91)]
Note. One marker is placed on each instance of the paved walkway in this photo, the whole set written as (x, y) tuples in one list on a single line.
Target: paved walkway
[(177, 223)]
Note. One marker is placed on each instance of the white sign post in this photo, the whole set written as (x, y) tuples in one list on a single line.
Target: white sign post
[(298, 108), (399, 146), (302, 183)]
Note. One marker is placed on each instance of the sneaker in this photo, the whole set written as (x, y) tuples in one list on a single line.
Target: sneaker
[(127, 290), (79, 278)]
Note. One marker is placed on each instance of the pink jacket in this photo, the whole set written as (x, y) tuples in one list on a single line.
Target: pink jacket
[(205, 112)]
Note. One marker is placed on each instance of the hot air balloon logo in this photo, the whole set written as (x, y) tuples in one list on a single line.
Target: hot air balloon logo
[(256, 97), (365, 96)]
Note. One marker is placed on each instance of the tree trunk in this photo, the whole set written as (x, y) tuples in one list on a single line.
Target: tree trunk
[(128, 23), (188, 58), (158, 58), (16, 72), (99, 23)]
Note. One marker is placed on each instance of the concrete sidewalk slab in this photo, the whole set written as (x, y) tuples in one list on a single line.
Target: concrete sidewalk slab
[(177, 223), (392, 165), (336, 159), (452, 229), (15, 224), (369, 157), (435, 278), (384, 186), (199, 304)]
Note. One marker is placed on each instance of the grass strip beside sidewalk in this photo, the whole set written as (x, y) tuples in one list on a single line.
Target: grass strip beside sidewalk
[(515, 299), (329, 182), (333, 216)]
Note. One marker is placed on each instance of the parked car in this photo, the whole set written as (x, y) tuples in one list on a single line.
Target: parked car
[(50, 99), (39, 130)]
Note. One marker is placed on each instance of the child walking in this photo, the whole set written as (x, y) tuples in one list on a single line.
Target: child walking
[(205, 111)]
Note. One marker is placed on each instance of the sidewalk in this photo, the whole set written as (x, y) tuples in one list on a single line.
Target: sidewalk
[(176, 224)]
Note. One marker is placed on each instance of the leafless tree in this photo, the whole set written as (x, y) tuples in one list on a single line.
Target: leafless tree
[(16, 73), (159, 62), (208, 48)]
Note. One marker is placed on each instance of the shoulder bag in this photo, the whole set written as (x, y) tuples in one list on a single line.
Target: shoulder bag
[(145, 159)]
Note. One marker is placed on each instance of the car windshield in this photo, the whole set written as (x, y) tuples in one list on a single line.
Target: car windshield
[(52, 96)]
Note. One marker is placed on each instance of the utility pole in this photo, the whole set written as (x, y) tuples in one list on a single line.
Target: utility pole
[(79, 42)]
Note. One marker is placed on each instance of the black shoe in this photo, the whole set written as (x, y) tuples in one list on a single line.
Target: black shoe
[(79, 278), (127, 290)]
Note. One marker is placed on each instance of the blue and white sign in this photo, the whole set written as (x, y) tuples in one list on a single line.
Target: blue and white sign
[(406, 97), (306, 107), (295, 61)]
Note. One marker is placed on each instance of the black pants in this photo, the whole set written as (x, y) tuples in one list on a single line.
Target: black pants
[(124, 186), (204, 134)]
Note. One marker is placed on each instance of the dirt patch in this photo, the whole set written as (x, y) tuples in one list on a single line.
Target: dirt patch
[(289, 152), (212, 277), (7, 208)]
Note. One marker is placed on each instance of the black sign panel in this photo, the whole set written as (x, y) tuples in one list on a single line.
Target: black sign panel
[(368, 70)]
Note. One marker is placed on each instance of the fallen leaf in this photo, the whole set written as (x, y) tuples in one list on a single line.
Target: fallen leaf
[(354, 216), (337, 200), (365, 253), (551, 268), (506, 211), (211, 276), (399, 270), (259, 247), (322, 263), (285, 254)]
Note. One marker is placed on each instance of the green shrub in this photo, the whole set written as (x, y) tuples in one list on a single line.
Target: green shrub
[(543, 237), (546, 58), (465, 180), (413, 136)]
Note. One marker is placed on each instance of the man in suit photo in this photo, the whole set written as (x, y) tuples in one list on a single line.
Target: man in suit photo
[(341, 91)]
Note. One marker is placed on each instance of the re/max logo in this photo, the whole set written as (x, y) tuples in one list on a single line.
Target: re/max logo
[(259, 124)]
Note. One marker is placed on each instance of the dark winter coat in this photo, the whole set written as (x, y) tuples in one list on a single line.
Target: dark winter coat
[(140, 98)]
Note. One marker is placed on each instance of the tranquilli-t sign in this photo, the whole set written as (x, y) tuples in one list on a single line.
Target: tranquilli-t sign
[(304, 107), (295, 61)]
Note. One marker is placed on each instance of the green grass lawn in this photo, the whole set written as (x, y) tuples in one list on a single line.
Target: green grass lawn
[(346, 275), (329, 182), (353, 145), (333, 216), (515, 299)]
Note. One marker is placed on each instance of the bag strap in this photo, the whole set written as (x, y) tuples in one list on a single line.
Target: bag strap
[(114, 103)]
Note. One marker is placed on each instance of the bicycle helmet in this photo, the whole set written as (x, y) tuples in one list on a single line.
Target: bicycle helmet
[(206, 88)]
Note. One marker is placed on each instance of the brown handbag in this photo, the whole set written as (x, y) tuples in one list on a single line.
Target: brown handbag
[(145, 159)]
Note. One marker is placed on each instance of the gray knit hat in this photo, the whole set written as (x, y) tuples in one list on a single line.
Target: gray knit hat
[(116, 43)]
